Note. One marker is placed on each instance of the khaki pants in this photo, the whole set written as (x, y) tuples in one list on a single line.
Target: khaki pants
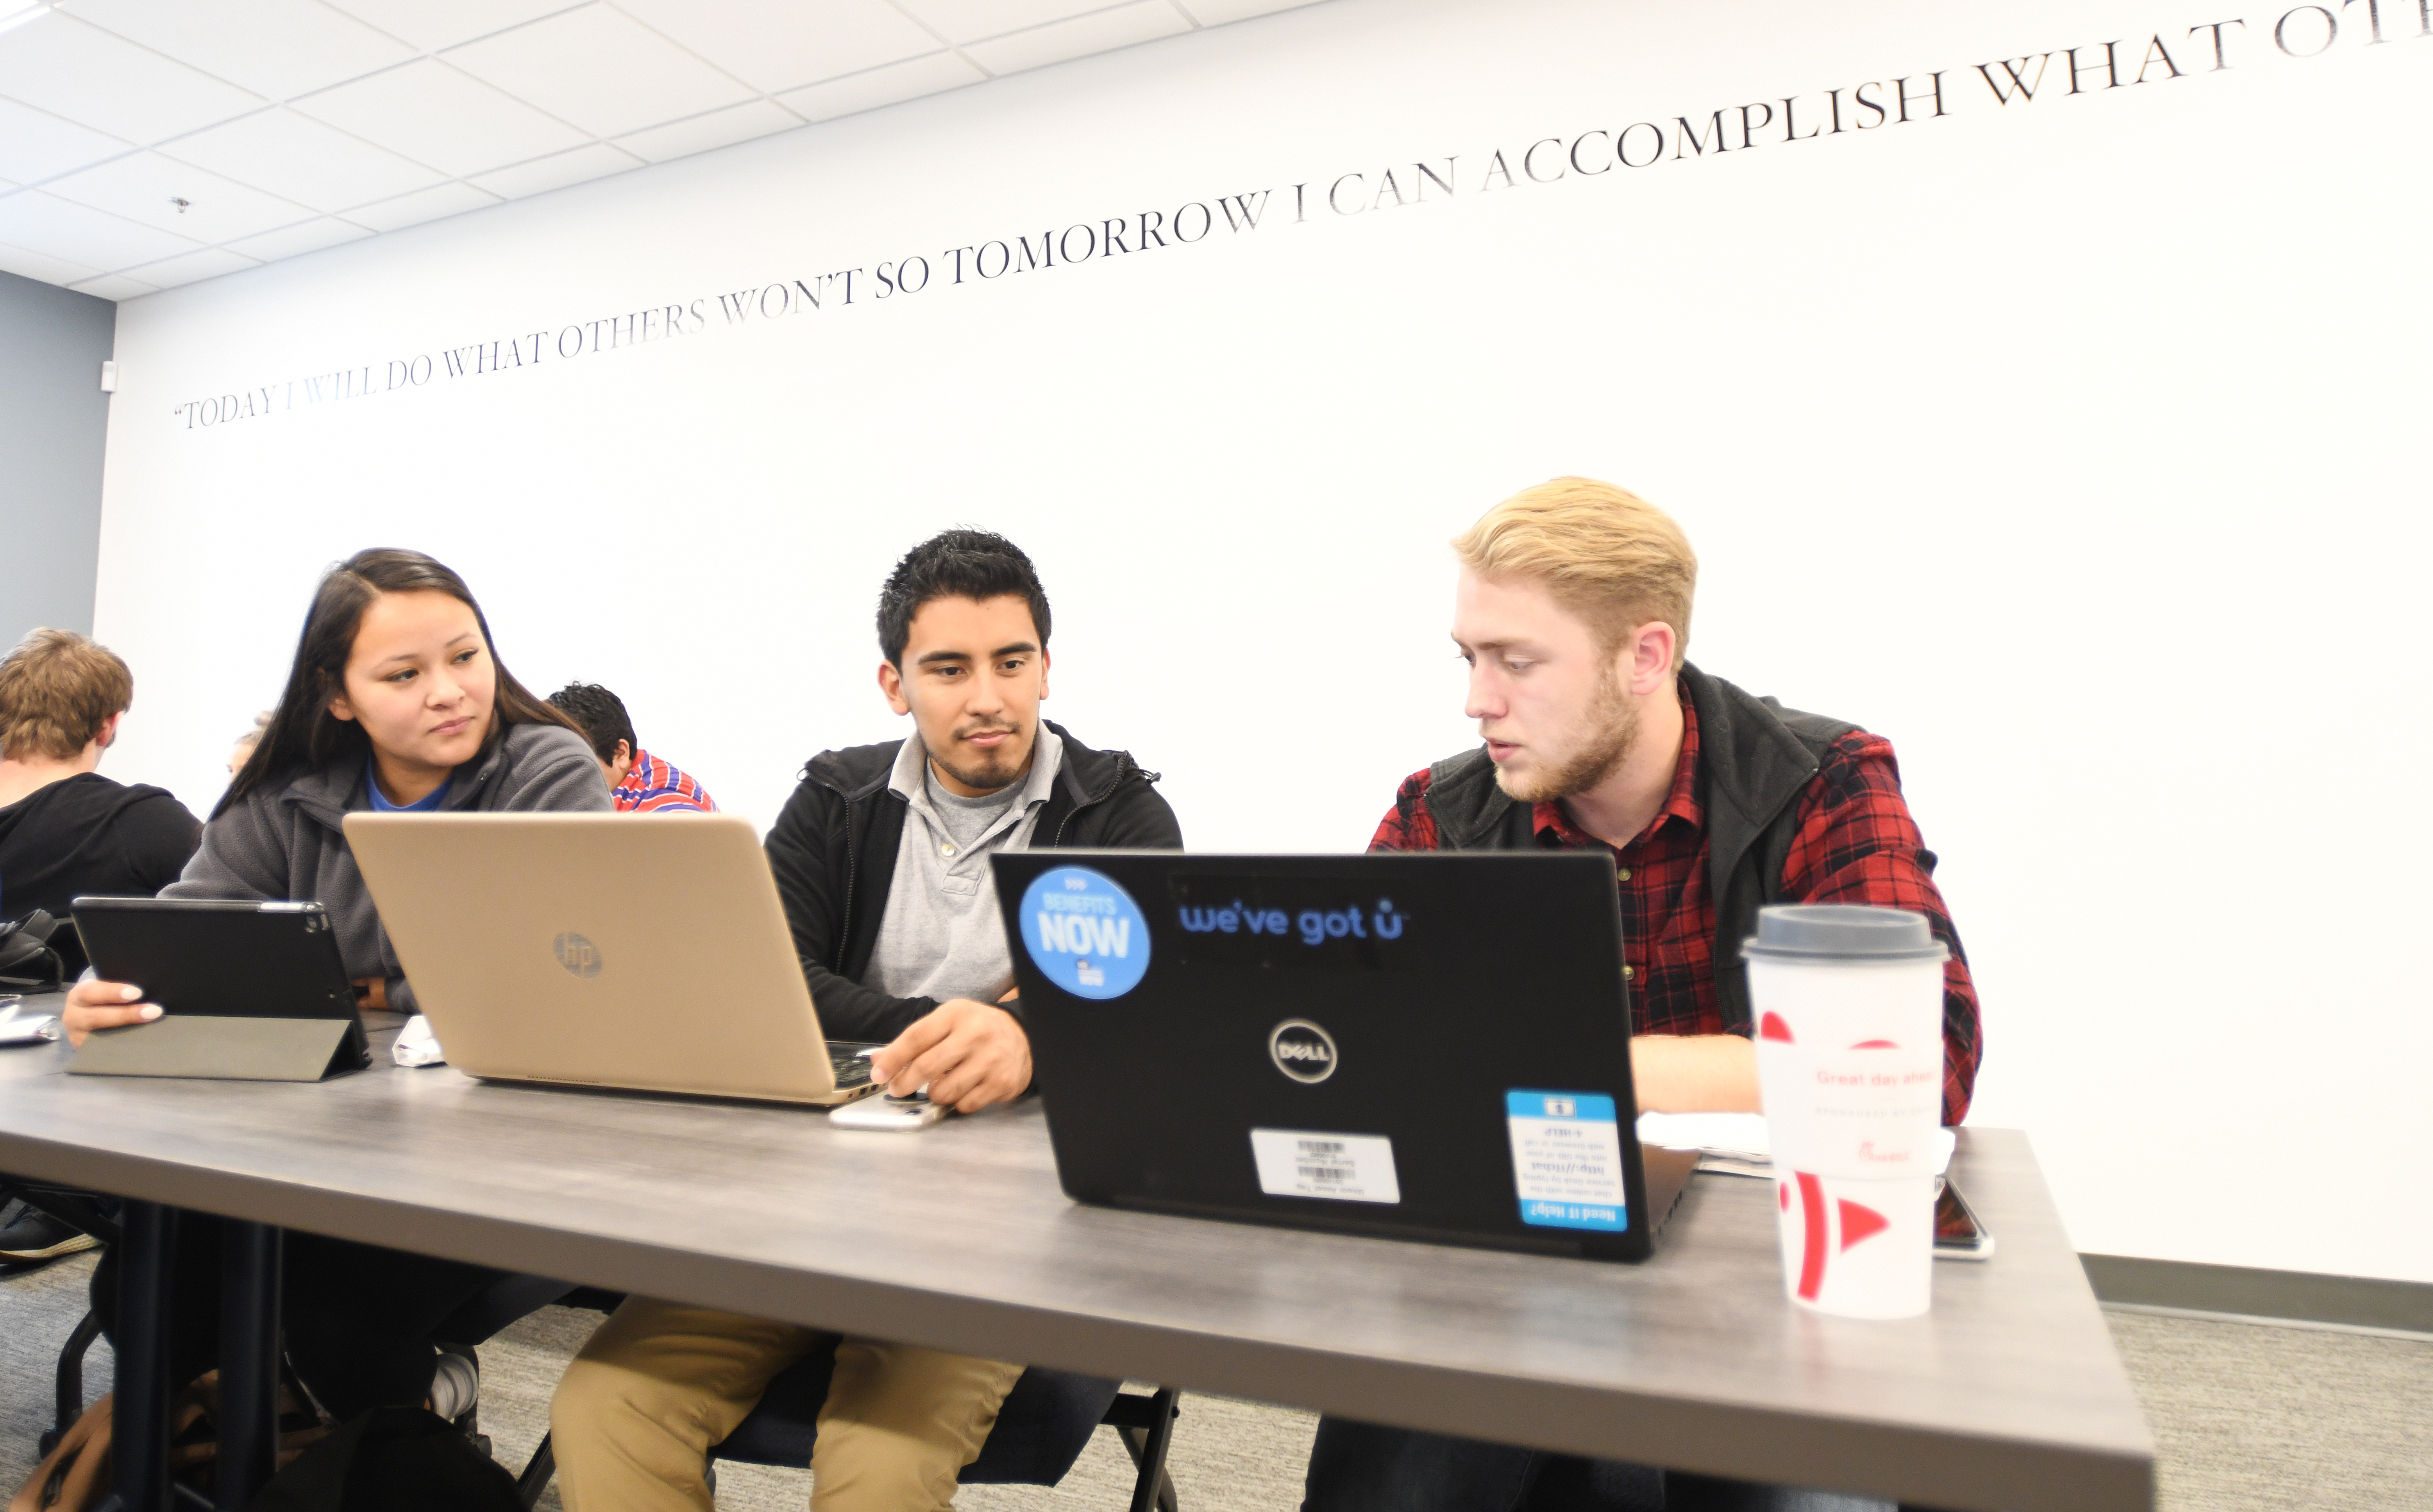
[(634, 1420)]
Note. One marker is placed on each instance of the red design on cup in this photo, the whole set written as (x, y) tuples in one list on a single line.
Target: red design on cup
[(1860, 1223), (1773, 1028), (1875, 1044), (1812, 1255)]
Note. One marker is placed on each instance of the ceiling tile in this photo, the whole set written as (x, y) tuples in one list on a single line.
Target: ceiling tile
[(1219, 12), (62, 65), (1142, 20), (600, 69), (414, 209), (194, 267), (962, 20), (781, 46), (105, 243), (435, 23), (141, 186), (35, 146), (114, 287), (431, 113), (27, 263), (719, 128), (597, 160), (295, 241), (280, 48), (300, 158), (933, 75)]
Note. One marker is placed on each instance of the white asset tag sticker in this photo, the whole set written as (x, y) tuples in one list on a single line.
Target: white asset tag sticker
[(1303, 1162), (1567, 1159)]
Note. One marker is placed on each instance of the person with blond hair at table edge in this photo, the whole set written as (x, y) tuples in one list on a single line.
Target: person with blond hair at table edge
[(1573, 611)]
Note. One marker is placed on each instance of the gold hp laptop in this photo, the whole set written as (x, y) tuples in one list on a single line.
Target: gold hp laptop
[(608, 950)]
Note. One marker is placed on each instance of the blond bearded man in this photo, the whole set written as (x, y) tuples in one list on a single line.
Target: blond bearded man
[(1573, 610)]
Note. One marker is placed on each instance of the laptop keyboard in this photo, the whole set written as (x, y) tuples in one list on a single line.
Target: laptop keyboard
[(850, 1064)]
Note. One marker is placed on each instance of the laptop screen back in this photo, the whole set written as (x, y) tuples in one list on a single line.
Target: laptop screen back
[(1435, 1046)]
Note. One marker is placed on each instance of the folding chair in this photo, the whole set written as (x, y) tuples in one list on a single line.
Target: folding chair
[(78, 1210)]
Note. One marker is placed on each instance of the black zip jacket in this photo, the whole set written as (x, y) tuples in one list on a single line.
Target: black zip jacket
[(87, 834), (833, 853)]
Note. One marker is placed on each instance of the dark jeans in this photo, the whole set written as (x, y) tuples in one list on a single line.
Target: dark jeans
[(1358, 1467), (358, 1318)]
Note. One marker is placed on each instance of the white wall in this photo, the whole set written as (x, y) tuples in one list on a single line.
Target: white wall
[(2073, 445)]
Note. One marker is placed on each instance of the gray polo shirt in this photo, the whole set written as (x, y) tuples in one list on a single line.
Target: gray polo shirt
[(941, 936)]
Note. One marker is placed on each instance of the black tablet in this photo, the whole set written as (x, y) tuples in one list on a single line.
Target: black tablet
[(226, 959)]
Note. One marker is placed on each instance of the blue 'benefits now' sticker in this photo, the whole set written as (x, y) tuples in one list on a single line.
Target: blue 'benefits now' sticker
[(1567, 1159), (1083, 930)]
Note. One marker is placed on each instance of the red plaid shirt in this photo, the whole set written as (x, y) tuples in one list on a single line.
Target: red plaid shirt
[(1856, 843)]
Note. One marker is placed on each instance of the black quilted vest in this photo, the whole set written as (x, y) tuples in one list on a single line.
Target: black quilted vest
[(1754, 758)]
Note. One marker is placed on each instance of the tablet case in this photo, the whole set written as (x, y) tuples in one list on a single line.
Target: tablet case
[(233, 1049), (250, 991)]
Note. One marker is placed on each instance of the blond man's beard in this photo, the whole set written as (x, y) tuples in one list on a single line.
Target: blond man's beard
[(1612, 722)]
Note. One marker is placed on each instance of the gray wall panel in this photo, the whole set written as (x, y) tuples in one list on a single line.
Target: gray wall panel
[(53, 416)]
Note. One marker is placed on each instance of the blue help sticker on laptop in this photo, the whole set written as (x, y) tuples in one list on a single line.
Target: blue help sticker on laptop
[(1085, 933), (1567, 1159)]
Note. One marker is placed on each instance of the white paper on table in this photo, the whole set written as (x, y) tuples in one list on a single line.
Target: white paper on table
[(1736, 1143), (20, 1028), (416, 1046)]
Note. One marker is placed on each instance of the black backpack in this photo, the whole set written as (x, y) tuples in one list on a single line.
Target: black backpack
[(391, 1459), (26, 958)]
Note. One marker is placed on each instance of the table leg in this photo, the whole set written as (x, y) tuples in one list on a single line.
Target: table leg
[(148, 1255), (248, 1425)]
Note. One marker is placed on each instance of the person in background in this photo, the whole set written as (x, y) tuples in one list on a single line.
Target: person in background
[(397, 702), (67, 831), (641, 782), (243, 751), (881, 858), (1573, 610)]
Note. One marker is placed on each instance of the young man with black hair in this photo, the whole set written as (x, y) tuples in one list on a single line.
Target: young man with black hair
[(881, 858), (638, 781), (1572, 609)]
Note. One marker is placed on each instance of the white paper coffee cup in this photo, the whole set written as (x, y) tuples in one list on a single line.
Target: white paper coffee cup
[(1856, 1249), (1848, 1009)]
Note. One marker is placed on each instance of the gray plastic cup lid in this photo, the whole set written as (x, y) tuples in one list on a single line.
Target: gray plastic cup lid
[(1856, 932)]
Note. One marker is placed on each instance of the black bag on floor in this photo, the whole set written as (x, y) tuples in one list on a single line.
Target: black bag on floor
[(392, 1459)]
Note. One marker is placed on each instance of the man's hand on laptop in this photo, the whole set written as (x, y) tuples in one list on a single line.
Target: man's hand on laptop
[(971, 1054), (99, 1005)]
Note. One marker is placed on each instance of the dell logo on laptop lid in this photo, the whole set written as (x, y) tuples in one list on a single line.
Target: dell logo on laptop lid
[(1302, 1050), (576, 954)]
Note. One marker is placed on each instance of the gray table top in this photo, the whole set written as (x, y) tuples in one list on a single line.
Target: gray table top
[(2008, 1398)]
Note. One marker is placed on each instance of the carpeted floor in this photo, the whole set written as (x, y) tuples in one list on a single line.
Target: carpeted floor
[(2247, 1417)]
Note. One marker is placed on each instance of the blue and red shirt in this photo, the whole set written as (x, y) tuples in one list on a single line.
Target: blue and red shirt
[(653, 787)]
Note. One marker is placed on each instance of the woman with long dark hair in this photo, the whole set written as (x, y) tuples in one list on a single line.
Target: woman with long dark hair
[(396, 700)]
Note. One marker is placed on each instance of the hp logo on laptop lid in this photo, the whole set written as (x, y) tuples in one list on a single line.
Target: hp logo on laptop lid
[(577, 954), (1302, 1050)]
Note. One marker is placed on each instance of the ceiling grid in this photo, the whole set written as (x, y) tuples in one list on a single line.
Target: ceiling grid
[(147, 144)]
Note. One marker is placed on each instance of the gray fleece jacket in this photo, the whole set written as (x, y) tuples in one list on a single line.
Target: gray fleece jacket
[(286, 841)]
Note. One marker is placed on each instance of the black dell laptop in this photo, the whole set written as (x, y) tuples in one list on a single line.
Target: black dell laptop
[(1426, 1046)]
